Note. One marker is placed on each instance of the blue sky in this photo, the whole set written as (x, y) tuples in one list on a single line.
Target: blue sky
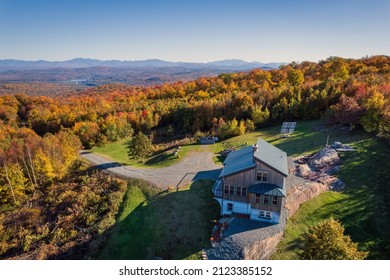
[(199, 31)]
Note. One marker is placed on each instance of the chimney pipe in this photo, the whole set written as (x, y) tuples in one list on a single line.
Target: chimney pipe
[(255, 148)]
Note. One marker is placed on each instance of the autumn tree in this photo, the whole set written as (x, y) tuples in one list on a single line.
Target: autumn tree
[(116, 128), (43, 168), (347, 111), (384, 125), (374, 109), (326, 241), (295, 77), (61, 150), (259, 116), (88, 132), (140, 146), (232, 128), (12, 184)]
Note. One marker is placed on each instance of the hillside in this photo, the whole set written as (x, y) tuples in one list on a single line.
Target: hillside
[(40, 137), (93, 72)]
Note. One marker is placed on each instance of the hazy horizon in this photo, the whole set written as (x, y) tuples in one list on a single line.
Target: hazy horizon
[(124, 60)]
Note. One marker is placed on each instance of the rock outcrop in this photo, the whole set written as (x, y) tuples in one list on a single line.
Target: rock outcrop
[(300, 194), (313, 176), (262, 249)]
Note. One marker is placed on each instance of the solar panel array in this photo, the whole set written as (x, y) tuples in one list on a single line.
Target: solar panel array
[(288, 127)]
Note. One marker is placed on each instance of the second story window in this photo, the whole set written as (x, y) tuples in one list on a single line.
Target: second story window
[(262, 176), (266, 200), (241, 191), (231, 192), (226, 189)]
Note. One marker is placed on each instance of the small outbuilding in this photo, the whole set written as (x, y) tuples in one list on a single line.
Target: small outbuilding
[(208, 140)]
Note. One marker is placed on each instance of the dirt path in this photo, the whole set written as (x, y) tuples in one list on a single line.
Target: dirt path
[(195, 166)]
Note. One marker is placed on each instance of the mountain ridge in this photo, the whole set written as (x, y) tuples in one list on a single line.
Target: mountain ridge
[(79, 62)]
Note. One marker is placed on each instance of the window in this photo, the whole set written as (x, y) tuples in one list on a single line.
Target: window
[(226, 189), (262, 176), (257, 198), (231, 192), (266, 200), (230, 207), (243, 191), (264, 215), (274, 200)]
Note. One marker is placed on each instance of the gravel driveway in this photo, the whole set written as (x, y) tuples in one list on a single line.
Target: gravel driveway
[(195, 166)]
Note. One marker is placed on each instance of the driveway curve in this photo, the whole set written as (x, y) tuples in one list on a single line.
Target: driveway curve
[(195, 166)]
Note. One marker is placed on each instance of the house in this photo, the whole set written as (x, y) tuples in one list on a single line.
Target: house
[(252, 182)]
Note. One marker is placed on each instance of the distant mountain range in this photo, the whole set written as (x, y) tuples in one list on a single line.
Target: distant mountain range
[(93, 72), (229, 64)]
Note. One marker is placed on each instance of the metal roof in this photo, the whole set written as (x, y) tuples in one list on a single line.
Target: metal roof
[(243, 159), (238, 161), (272, 156), (267, 189)]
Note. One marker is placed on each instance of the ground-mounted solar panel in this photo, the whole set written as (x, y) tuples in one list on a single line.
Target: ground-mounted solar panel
[(288, 128)]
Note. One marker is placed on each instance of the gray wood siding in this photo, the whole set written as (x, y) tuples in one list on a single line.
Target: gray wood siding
[(261, 206), (274, 176), (248, 177)]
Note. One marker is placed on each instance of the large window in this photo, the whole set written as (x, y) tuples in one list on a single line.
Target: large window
[(228, 189), (241, 191), (262, 176)]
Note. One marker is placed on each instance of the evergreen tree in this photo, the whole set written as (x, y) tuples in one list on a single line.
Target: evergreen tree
[(140, 146)]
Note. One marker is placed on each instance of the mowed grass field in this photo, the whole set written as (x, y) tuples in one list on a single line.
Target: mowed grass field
[(303, 141), (177, 225), (169, 225), (118, 151)]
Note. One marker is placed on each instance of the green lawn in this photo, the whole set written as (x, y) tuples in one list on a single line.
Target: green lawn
[(303, 141), (363, 207), (171, 225), (118, 152)]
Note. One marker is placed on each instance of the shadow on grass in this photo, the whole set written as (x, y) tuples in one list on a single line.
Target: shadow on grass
[(160, 158), (169, 225), (220, 159)]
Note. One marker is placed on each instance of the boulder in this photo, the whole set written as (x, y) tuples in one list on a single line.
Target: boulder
[(325, 160)]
